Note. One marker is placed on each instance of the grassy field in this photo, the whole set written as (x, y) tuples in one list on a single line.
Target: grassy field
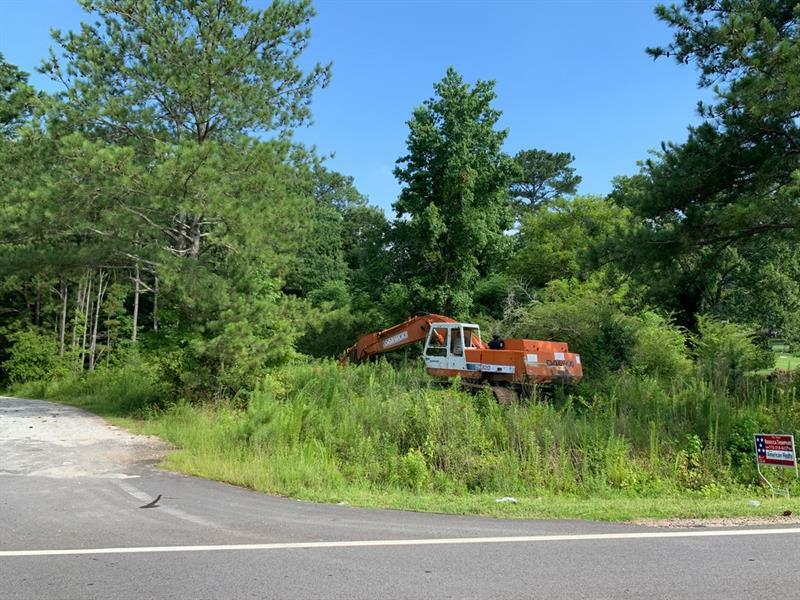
[(379, 437), (784, 360), (251, 472), (787, 361)]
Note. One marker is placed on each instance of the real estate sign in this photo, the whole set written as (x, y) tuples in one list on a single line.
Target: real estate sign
[(776, 450)]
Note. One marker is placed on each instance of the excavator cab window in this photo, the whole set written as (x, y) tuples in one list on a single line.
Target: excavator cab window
[(437, 342), (471, 337), (456, 343)]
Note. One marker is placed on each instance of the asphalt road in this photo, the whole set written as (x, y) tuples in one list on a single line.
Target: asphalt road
[(71, 526)]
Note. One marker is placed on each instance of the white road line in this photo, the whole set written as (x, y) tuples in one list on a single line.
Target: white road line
[(419, 542)]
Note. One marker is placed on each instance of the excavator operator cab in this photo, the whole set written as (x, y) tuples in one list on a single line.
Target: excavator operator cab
[(445, 344)]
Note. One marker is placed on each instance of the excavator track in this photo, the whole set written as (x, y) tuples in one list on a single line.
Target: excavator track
[(505, 394)]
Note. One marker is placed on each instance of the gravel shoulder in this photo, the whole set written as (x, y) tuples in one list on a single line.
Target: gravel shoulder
[(39, 438), (719, 522)]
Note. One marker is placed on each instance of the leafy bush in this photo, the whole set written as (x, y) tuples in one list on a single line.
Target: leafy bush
[(33, 356), (659, 348), (726, 351), (608, 337), (412, 470)]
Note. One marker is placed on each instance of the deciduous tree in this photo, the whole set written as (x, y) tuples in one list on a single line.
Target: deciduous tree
[(454, 208)]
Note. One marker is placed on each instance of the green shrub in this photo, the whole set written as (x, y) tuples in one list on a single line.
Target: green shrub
[(412, 471), (727, 351), (689, 464), (33, 357), (608, 336), (590, 320), (659, 348)]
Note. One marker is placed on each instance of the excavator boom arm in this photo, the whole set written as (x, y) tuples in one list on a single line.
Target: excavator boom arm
[(397, 336)]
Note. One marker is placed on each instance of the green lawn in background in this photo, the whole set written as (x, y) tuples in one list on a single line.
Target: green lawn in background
[(785, 359)]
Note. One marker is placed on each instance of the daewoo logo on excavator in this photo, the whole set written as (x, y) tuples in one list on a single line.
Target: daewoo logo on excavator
[(395, 339), (454, 349), (560, 363)]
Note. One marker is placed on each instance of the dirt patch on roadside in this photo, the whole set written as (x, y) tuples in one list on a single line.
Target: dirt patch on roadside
[(43, 439), (754, 521)]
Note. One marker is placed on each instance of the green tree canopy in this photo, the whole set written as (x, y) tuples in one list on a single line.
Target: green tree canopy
[(321, 258), (147, 173), (542, 176), (728, 196), (560, 241), (453, 209), (187, 68), (736, 176), (15, 96)]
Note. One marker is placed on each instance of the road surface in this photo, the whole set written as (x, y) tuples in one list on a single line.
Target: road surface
[(71, 526)]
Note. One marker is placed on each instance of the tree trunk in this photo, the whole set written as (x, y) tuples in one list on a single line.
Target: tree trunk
[(194, 249), (38, 307), (63, 322), (93, 348), (155, 304), (86, 313), (78, 306), (135, 324), (182, 232)]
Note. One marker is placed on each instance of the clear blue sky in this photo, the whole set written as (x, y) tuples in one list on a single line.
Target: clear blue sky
[(571, 76)]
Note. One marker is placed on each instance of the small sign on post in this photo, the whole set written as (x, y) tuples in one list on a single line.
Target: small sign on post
[(775, 450)]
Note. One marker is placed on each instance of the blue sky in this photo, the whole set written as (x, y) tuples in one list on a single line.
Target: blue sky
[(571, 76)]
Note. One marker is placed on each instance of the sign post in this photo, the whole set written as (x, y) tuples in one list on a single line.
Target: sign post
[(775, 450)]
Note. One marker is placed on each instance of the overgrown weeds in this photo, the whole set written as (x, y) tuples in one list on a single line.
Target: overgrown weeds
[(320, 431)]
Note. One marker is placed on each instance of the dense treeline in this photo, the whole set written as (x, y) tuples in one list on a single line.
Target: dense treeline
[(156, 210)]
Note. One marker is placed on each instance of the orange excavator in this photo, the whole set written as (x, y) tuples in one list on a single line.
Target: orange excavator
[(454, 349)]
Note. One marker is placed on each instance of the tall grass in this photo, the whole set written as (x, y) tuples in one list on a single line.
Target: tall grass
[(322, 431), (120, 391)]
